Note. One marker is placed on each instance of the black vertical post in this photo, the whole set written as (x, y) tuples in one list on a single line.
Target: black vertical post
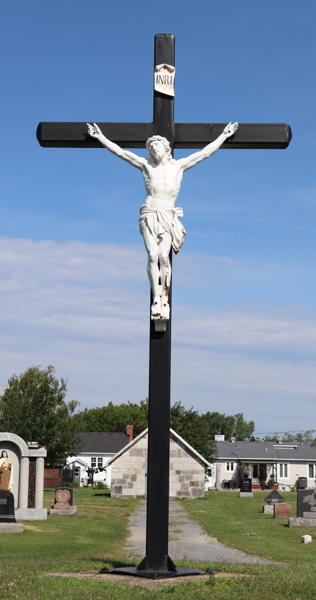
[(156, 558), (157, 563), (163, 109)]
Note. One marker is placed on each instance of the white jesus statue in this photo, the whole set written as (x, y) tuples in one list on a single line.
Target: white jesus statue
[(159, 216)]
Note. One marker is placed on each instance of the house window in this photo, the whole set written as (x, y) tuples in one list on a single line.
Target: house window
[(283, 470), (230, 466), (312, 471), (100, 462), (77, 471), (93, 462)]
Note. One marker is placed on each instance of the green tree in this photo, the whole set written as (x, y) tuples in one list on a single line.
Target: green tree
[(197, 429), (194, 429), (306, 438), (220, 424), (243, 429), (33, 407), (113, 417)]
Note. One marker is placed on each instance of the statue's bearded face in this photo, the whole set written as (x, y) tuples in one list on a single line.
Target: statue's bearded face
[(157, 150)]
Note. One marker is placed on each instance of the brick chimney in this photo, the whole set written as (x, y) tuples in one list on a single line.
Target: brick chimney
[(129, 432)]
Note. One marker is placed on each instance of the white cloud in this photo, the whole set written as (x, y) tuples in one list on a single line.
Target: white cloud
[(85, 309)]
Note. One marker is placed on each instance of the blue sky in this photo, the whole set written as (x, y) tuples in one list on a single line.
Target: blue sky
[(73, 285)]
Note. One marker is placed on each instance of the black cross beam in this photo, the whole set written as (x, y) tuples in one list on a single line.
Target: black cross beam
[(180, 135)]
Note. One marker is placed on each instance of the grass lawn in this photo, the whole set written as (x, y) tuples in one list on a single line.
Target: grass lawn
[(95, 537), (240, 523)]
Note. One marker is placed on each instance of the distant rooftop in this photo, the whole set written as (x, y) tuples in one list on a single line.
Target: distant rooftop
[(99, 442), (264, 451)]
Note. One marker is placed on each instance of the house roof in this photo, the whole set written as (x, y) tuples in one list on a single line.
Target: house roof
[(77, 460), (173, 435), (265, 451), (101, 442)]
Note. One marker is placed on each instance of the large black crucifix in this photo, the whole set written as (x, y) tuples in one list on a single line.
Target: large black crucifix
[(157, 563)]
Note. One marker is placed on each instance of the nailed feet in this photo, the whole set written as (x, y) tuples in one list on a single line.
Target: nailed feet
[(160, 308)]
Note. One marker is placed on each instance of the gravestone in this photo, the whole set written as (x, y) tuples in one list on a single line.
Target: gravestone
[(306, 504), (268, 509), (246, 488), (282, 510), (246, 484), (274, 498), (7, 514), (64, 502), (305, 509), (8, 523), (63, 497)]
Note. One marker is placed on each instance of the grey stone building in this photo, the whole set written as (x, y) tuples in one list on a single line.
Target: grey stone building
[(129, 469)]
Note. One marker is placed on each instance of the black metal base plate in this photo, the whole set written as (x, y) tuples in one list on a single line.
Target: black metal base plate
[(133, 572)]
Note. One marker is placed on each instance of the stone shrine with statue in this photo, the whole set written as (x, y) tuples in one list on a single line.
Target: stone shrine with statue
[(22, 475)]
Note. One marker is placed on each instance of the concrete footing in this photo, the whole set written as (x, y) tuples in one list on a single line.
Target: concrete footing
[(11, 527), (246, 494), (63, 512), (302, 522), (31, 514), (268, 509)]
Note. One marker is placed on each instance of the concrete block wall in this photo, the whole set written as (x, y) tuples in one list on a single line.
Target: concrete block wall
[(186, 472), (128, 472)]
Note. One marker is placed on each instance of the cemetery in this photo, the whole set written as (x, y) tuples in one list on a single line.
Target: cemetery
[(98, 534), (107, 514)]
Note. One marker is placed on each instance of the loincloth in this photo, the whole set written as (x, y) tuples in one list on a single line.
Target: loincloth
[(160, 221)]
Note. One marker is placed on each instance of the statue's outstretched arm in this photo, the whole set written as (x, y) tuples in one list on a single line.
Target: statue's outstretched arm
[(130, 157), (196, 157)]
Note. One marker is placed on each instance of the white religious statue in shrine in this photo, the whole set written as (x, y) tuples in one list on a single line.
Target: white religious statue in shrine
[(159, 217)]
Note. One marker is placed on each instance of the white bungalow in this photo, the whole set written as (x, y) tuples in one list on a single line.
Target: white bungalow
[(287, 464)]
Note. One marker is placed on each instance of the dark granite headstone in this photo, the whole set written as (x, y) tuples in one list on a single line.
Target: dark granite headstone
[(246, 485), (306, 504), (274, 498), (7, 514)]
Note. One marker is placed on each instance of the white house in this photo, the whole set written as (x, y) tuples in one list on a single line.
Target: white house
[(97, 448), (286, 462)]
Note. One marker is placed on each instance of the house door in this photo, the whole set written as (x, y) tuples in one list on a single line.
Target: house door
[(259, 472), (77, 475)]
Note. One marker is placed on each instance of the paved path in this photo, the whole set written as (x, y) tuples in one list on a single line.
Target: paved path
[(187, 541)]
